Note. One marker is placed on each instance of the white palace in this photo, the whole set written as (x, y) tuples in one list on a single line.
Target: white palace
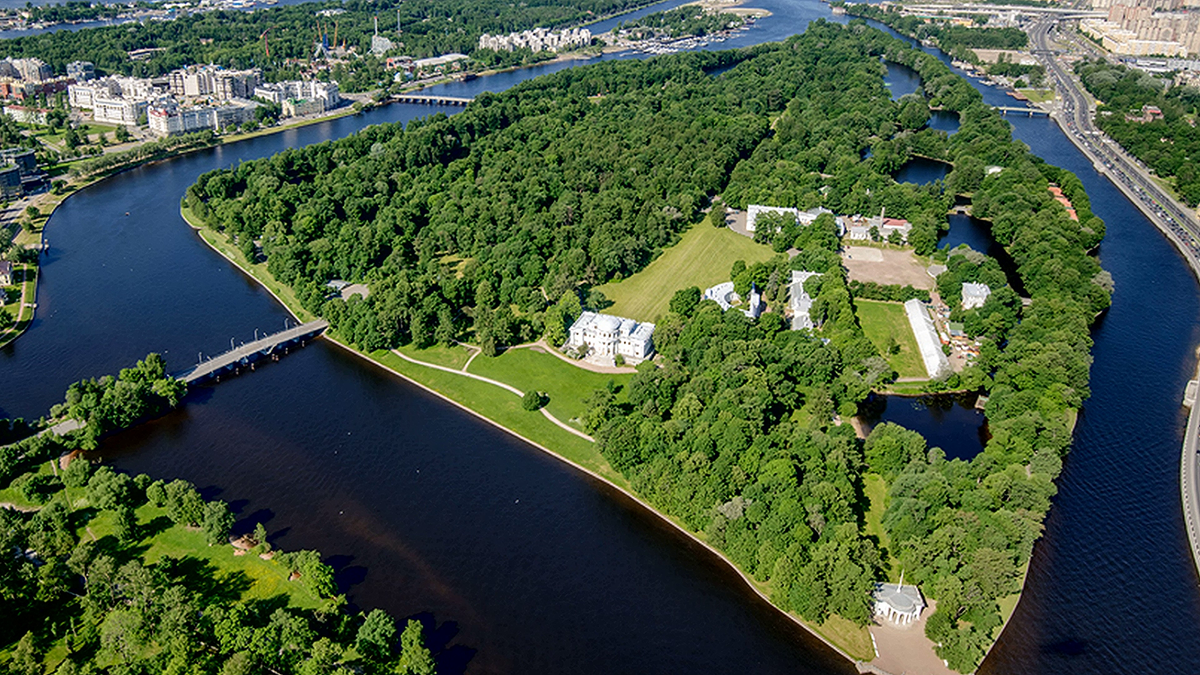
[(607, 336), (898, 603)]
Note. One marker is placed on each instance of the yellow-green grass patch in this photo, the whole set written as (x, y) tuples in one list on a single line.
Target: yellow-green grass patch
[(1038, 95), (568, 386), (885, 324), (876, 488), (702, 257)]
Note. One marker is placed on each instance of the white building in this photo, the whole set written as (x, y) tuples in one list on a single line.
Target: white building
[(168, 118), (721, 294), (755, 210), (118, 110), (28, 70), (936, 363), (537, 40), (298, 107), (437, 62), (898, 603), (6, 273), (25, 114), (724, 295), (300, 90), (607, 336), (974, 295), (800, 301)]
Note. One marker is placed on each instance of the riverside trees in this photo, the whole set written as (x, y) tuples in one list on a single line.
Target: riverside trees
[(533, 196)]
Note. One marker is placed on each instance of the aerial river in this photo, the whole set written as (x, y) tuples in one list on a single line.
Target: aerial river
[(521, 564)]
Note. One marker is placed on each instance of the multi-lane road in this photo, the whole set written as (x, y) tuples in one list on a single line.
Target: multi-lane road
[(1177, 221), (1074, 115)]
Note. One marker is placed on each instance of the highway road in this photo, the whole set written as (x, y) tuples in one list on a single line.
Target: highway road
[(1175, 220), (1074, 115)]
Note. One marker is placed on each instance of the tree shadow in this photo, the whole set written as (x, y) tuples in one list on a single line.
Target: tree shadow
[(204, 578), (246, 523), (345, 574), (450, 659)]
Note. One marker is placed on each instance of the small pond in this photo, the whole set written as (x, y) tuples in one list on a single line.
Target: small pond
[(975, 233), (922, 171), (947, 421)]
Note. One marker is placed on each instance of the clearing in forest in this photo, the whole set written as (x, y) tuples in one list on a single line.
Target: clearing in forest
[(702, 258), (886, 326)]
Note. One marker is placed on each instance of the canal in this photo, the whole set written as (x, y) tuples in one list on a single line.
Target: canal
[(520, 564)]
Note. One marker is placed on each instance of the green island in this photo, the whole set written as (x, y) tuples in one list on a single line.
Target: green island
[(494, 228), (121, 574)]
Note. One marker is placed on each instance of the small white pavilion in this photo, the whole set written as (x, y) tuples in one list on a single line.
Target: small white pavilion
[(898, 603), (974, 295)]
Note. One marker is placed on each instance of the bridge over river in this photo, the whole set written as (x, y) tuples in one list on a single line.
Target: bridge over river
[(247, 354), (431, 100)]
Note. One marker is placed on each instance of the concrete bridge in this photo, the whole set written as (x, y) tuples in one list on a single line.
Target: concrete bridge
[(431, 100), (1016, 110), (1189, 473), (246, 355)]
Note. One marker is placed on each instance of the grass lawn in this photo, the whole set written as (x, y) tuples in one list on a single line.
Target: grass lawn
[(1008, 605), (875, 488), (455, 356), (504, 408), (567, 386), (856, 640), (703, 258), (1038, 95), (884, 322)]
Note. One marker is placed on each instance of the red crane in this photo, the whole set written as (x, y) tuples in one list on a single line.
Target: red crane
[(264, 39)]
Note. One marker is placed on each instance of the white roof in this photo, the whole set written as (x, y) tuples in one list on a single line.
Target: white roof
[(970, 290), (932, 355)]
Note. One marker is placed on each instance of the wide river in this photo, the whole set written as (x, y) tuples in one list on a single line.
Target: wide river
[(523, 565)]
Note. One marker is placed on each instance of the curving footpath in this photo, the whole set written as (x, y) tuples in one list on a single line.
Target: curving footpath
[(497, 383)]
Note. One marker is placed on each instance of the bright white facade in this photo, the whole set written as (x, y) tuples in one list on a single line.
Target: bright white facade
[(607, 336), (118, 110), (720, 294), (755, 210), (936, 363), (898, 603), (537, 40), (860, 228), (974, 295), (168, 118), (800, 301)]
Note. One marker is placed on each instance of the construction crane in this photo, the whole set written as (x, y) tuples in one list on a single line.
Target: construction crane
[(264, 39)]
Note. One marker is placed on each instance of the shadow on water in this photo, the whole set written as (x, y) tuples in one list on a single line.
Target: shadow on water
[(947, 421)]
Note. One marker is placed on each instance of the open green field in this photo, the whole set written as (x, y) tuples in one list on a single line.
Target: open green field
[(875, 488), (504, 408), (703, 258), (885, 322), (1038, 95), (567, 386)]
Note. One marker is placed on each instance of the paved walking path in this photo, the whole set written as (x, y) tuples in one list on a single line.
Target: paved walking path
[(1189, 482), (497, 383)]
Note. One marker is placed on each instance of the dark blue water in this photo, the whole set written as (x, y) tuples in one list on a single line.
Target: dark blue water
[(949, 422), (922, 171), (526, 566)]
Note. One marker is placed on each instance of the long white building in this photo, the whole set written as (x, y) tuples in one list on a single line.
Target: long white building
[(800, 301), (936, 363), (607, 336), (168, 118)]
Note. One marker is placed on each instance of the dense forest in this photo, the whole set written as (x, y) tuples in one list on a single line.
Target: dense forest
[(1169, 146), (235, 38), (955, 40), (469, 227), (108, 573)]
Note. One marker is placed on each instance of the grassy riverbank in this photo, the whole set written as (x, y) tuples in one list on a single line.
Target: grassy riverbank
[(562, 381)]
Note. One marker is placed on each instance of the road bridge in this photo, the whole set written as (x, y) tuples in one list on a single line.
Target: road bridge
[(1018, 110), (431, 100), (246, 355), (1189, 474)]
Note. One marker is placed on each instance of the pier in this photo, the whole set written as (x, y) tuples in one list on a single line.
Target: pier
[(246, 355), (431, 100)]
